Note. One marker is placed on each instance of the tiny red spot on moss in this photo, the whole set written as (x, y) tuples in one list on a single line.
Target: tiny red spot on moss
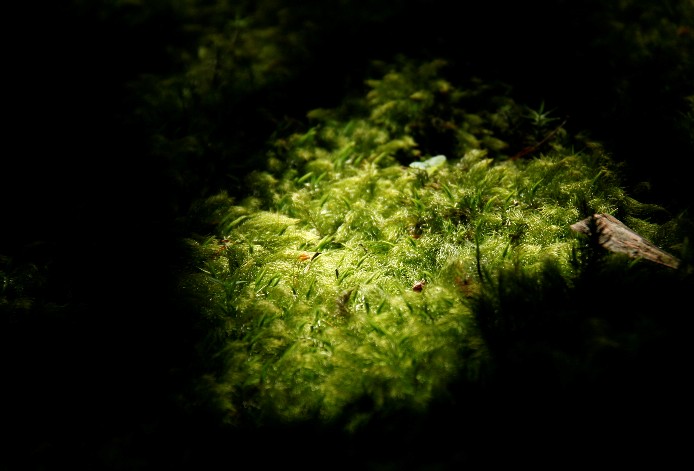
[(419, 286)]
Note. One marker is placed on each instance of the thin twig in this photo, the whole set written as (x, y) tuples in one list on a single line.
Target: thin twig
[(535, 147)]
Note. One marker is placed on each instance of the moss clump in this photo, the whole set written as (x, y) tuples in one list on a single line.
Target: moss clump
[(348, 273)]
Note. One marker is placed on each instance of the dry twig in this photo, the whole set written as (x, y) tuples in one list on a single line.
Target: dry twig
[(530, 149)]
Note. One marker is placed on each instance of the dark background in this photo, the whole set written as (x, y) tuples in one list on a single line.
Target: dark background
[(91, 217), (69, 67)]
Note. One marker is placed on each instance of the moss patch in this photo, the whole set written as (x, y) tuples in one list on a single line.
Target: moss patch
[(350, 273)]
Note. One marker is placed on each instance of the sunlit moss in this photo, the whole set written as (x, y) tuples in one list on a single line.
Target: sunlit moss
[(347, 273)]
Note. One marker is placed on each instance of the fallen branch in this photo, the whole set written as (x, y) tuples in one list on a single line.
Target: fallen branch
[(613, 235)]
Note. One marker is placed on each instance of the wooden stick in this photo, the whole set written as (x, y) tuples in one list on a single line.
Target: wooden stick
[(614, 236)]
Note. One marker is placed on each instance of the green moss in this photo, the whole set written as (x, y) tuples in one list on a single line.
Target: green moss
[(347, 273)]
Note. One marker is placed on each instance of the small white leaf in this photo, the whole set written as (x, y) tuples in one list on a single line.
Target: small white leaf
[(430, 165)]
